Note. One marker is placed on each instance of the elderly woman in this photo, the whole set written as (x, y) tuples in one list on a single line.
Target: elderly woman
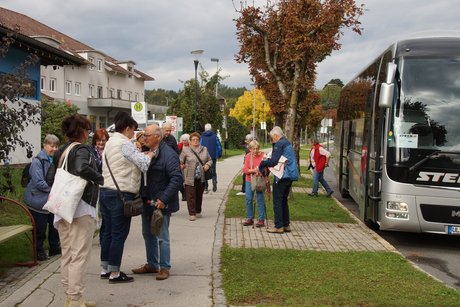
[(126, 164), (194, 173), (36, 195), (184, 142), (251, 168), (100, 137), (77, 237)]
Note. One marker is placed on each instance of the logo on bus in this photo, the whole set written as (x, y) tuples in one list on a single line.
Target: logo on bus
[(438, 177), (455, 213)]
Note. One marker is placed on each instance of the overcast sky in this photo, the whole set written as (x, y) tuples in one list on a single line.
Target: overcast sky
[(159, 35)]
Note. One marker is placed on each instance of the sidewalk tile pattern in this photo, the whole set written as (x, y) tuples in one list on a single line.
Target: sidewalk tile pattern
[(317, 236)]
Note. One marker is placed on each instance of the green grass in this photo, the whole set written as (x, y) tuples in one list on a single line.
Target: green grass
[(301, 208), (273, 277)]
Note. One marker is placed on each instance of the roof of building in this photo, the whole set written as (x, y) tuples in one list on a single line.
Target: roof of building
[(30, 27)]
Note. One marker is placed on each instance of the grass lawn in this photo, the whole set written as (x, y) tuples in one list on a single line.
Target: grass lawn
[(301, 208), (273, 277)]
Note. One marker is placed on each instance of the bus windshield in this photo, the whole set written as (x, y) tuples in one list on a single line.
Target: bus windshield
[(425, 123)]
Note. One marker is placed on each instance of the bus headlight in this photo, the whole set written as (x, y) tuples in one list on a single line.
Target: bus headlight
[(394, 205), (397, 210)]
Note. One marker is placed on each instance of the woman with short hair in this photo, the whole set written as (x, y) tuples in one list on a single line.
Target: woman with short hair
[(194, 174), (36, 196)]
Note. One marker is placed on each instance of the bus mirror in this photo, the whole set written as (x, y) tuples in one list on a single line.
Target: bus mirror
[(386, 95), (391, 72), (386, 89)]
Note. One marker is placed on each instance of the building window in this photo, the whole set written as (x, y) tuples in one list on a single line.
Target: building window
[(136, 97), (68, 88), (99, 65), (119, 94), (77, 88), (130, 69), (91, 91), (91, 61), (112, 93), (129, 96), (42, 83), (102, 122), (52, 85), (99, 92)]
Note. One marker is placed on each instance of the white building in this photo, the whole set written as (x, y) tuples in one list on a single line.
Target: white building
[(99, 88)]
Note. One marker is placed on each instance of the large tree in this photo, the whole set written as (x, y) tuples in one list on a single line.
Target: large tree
[(283, 41), (244, 109)]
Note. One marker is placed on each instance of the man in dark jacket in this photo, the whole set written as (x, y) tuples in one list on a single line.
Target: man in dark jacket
[(210, 140), (168, 138), (164, 179)]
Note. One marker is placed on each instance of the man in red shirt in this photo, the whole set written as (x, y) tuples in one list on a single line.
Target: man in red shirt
[(319, 160)]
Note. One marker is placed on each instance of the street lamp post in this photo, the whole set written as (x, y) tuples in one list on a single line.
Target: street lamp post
[(196, 54), (254, 115), (217, 72)]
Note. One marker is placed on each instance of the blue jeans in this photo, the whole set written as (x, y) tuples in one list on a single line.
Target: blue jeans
[(318, 177), (260, 203), (157, 248), (115, 230), (280, 202), (42, 221)]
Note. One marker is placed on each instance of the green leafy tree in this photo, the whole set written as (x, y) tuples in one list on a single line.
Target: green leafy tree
[(330, 95), (53, 112), (236, 133)]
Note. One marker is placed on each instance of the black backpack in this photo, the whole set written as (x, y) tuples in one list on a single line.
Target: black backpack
[(25, 178)]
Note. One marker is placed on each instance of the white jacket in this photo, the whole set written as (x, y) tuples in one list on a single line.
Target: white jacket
[(126, 173)]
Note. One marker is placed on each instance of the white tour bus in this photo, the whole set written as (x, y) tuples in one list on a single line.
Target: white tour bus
[(398, 137)]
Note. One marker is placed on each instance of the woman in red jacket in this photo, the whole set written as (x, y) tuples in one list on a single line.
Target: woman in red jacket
[(319, 160)]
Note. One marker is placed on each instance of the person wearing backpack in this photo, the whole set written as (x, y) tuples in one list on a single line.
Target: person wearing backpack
[(36, 195)]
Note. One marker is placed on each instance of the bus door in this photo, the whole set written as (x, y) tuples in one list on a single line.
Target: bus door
[(373, 154), (343, 171)]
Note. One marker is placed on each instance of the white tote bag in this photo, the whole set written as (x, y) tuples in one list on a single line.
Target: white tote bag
[(66, 191)]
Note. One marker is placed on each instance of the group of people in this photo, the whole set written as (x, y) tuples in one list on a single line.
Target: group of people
[(256, 163), (155, 167)]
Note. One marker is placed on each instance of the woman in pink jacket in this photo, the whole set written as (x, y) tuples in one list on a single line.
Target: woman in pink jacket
[(251, 168)]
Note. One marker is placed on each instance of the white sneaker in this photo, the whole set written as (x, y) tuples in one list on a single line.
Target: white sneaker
[(198, 215), (240, 193)]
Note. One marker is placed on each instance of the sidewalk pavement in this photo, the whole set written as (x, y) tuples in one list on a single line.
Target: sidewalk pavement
[(195, 253)]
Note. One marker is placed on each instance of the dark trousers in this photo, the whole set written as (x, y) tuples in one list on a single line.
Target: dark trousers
[(214, 179), (280, 202), (43, 221), (194, 195)]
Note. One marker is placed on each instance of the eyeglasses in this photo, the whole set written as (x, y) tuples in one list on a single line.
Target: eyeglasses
[(194, 139)]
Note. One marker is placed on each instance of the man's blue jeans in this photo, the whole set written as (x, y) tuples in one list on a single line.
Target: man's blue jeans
[(280, 202), (318, 177), (116, 229), (260, 203), (157, 248)]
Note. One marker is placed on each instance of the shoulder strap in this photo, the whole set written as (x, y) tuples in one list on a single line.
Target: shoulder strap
[(202, 164), (113, 178), (63, 158)]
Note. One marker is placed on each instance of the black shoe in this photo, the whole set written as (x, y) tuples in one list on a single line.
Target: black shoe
[(313, 194), (54, 251), (122, 278), (214, 188), (330, 193), (42, 256), (105, 275)]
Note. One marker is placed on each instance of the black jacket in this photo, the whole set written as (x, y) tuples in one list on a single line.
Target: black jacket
[(81, 163)]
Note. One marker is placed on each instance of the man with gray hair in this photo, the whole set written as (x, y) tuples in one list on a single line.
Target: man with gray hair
[(248, 139), (210, 140), (168, 138), (281, 185)]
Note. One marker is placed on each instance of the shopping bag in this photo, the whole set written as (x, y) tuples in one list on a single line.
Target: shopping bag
[(65, 193)]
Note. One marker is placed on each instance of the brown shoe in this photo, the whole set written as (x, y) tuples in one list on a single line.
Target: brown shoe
[(144, 269), (275, 230), (287, 228), (164, 274)]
